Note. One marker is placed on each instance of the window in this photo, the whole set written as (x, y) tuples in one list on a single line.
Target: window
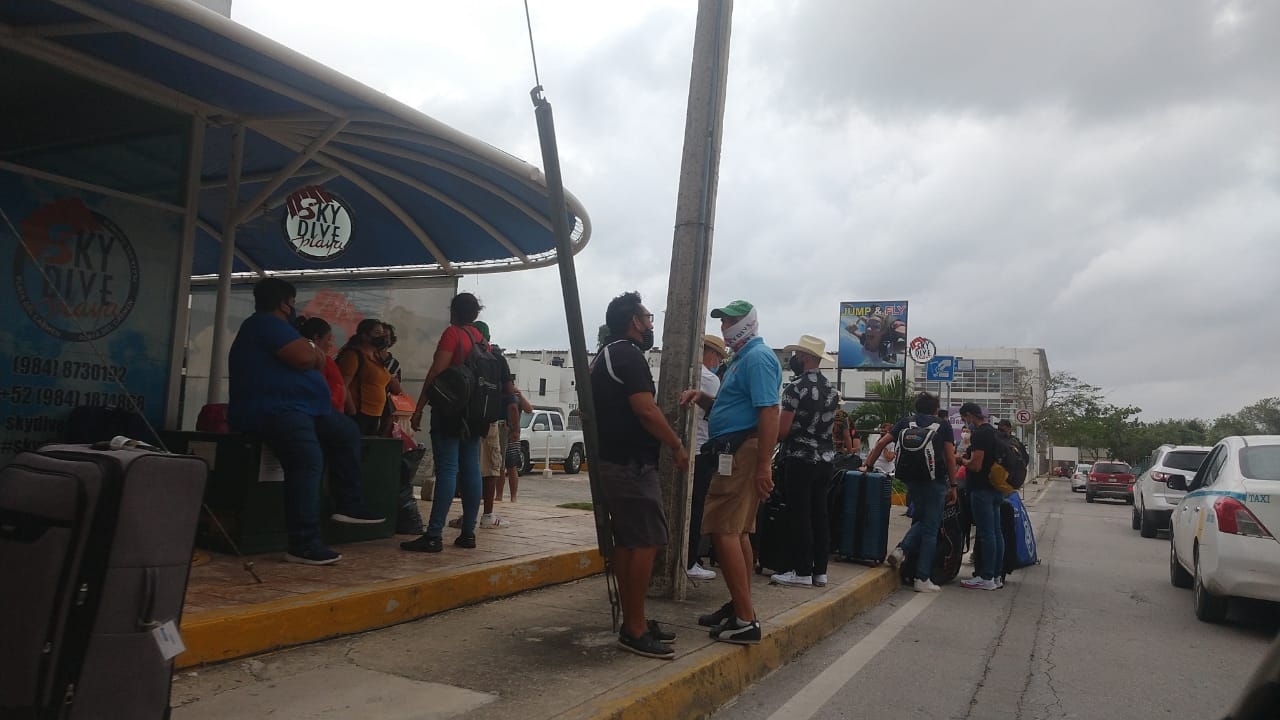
[(1184, 459), (1261, 462), (542, 387), (1110, 468), (1212, 466), (556, 422)]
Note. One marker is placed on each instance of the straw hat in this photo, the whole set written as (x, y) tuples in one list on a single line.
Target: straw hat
[(716, 343), (811, 345)]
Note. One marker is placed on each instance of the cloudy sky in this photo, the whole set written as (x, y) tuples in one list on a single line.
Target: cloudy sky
[(1098, 179)]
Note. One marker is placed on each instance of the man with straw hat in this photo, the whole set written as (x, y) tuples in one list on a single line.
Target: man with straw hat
[(804, 434), (713, 353)]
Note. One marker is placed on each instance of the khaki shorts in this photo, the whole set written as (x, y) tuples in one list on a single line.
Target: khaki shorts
[(732, 500), (491, 449)]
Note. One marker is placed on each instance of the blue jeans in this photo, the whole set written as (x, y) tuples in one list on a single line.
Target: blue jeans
[(303, 443), (928, 499), (986, 504), (457, 465)]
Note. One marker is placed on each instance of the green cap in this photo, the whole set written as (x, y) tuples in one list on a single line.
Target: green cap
[(735, 309), (483, 327)]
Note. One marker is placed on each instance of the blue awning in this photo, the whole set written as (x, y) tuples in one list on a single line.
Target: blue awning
[(423, 198)]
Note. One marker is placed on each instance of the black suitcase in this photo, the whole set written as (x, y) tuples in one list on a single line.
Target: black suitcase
[(948, 553), (95, 549), (860, 516), (769, 541)]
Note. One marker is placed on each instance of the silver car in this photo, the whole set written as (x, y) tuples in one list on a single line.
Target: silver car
[(1153, 499), (1080, 477)]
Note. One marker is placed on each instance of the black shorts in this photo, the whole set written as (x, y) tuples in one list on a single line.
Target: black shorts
[(633, 498), (511, 457)]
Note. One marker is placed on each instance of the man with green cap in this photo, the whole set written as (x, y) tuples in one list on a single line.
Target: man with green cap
[(743, 429)]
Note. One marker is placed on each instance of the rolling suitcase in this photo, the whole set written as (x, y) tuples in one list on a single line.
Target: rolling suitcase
[(1019, 537), (860, 518), (769, 540), (100, 543)]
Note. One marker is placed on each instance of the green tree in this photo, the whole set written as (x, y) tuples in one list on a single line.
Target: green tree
[(892, 403)]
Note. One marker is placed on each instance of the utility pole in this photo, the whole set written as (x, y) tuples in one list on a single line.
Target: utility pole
[(686, 314)]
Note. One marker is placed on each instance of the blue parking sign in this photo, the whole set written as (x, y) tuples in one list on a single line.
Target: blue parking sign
[(942, 368)]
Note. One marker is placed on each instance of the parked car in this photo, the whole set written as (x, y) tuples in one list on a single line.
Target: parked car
[(1220, 541), (1080, 476), (545, 436), (1153, 499), (1109, 478)]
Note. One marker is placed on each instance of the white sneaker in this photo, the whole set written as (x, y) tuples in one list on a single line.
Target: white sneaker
[(820, 580), (790, 578), (979, 584), (926, 586), (896, 557), (999, 582), (491, 520), (697, 572)]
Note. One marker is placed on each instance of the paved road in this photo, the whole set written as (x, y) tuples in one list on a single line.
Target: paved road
[(1096, 631)]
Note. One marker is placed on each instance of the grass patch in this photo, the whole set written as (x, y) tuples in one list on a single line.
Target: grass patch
[(577, 506)]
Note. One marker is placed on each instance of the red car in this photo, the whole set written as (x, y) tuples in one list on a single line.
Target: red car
[(1110, 478)]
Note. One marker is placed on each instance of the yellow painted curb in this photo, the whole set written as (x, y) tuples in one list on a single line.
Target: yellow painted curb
[(217, 635), (696, 685)]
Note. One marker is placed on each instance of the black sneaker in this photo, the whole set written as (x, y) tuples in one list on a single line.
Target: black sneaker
[(731, 632), (713, 619), (356, 516), (315, 555), (466, 540), (645, 645), (425, 543), (662, 636)]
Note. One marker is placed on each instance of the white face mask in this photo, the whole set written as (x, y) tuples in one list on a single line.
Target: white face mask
[(741, 332)]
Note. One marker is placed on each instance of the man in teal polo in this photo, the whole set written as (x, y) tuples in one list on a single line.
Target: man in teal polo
[(743, 429)]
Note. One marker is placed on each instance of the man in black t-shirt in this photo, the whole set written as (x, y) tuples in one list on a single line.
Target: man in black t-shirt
[(632, 430), (984, 499)]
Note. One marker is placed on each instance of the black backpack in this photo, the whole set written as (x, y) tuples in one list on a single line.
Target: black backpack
[(1013, 458), (917, 459), (471, 391)]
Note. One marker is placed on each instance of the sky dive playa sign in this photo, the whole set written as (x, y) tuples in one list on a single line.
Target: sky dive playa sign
[(76, 274), (317, 225)]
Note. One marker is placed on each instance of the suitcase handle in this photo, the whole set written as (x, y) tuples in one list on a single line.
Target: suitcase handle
[(146, 616)]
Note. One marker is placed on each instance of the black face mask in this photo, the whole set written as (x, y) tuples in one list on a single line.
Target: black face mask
[(796, 364), (380, 342), (646, 340)]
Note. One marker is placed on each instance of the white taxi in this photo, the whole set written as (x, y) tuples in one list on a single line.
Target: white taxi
[(1222, 538)]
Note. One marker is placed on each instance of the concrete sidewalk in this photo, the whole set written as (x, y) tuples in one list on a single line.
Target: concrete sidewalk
[(540, 654)]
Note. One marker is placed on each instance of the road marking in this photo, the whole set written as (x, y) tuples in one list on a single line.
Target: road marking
[(821, 689)]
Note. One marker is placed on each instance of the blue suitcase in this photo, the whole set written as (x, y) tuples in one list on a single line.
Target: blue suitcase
[(1019, 537), (861, 516)]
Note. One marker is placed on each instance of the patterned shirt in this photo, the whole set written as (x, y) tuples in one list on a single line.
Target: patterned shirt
[(814, 401)]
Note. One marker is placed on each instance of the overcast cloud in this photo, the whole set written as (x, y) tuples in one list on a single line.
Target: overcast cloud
[(1101, 180)]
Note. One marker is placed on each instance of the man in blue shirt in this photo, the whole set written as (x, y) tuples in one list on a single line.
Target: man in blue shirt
[(743, 426), (277, 391)]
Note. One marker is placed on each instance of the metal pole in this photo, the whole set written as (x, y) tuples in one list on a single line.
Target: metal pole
[(182, 316), (572, 311), (686, 314), (218, 362)]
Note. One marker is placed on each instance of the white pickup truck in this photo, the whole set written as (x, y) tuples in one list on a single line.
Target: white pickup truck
[(545, 439)]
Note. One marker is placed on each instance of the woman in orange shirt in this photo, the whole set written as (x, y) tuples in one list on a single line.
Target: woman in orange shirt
[(366, 377)]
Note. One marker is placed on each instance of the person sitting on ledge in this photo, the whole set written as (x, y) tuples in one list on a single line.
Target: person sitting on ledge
[(278, 392)]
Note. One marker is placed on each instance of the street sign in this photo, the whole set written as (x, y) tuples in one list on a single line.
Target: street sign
[(1022, 416), (922, 349), (942, 368), (964, 365)]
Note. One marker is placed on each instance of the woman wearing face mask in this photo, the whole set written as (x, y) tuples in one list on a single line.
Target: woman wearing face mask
[(320, 333), (367, 379)]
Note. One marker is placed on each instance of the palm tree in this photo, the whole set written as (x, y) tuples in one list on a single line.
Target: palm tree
[(890, 405)]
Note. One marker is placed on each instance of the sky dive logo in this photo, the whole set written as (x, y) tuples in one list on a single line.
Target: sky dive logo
[(84, 280), (317, 224)]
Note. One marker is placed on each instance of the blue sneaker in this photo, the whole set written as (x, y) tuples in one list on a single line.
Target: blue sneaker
[(314, 555)]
